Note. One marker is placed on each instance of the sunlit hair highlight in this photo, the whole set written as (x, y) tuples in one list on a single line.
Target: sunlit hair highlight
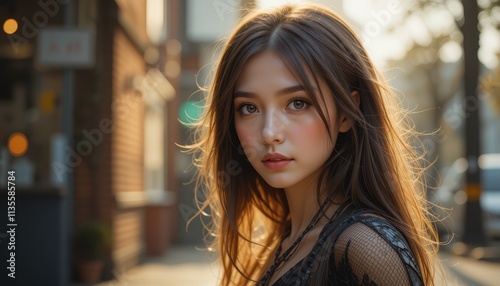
[(373, 163)]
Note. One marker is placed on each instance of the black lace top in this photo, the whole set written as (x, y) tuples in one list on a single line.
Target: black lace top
[(365, 250)]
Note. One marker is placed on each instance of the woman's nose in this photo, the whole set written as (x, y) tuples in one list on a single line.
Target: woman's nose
[(273, 131)]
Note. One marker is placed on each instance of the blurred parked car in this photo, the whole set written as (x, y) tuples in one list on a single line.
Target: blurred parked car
[(451, 197)]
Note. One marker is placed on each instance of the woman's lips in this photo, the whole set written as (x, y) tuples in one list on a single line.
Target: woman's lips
[(276, 160), (277, 164)]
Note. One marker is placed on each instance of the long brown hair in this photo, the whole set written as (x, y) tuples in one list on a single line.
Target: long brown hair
[(373, 163)]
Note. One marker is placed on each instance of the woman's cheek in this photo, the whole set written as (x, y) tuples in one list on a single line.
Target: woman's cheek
[(308, 128), (311, 132), (248, 139)]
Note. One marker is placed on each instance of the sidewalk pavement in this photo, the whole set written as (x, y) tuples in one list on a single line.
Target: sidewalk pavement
[(465, 271), (182, 265)]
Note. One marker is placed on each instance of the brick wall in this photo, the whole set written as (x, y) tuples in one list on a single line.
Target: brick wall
[(127, 152), (109, 182)]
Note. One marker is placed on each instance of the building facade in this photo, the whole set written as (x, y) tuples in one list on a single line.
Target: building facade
[(93, 87)]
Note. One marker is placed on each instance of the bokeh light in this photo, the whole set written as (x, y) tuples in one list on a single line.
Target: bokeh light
[(10, 26), (190, 112), (17, 144)]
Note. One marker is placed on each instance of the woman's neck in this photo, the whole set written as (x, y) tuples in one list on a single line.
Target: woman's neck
[(303, 205)]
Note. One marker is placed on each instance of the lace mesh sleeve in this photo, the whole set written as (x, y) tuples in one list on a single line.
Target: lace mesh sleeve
[(373, 252)]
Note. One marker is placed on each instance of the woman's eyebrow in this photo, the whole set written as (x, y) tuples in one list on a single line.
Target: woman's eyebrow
[(284, 91)]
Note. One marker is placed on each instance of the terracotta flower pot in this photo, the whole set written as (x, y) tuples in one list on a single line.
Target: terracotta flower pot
[(90, 271)]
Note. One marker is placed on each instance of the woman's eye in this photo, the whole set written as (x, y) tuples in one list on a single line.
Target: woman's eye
[(298, 104), (247, 108)]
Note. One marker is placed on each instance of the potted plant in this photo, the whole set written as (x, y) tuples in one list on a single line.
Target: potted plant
[(91, 239)]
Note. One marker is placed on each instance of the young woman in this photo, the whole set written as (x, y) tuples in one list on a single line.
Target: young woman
[(307, 175)]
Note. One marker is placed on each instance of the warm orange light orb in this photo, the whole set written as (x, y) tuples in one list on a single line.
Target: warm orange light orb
[(18, 144), (10, 26)]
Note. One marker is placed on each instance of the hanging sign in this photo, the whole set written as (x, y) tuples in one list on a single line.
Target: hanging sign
[(65, 47)]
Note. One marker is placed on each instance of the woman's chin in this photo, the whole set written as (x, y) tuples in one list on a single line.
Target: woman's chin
[(277, 183)]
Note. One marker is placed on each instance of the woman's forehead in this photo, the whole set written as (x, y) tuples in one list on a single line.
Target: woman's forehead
[(264, 69), (270, 67)]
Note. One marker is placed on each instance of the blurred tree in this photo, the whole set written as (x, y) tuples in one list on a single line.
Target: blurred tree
[(429, 59), (470, 17), (448, 34), (473, 233)]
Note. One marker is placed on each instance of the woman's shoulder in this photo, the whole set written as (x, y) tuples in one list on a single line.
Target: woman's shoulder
[(373, 250), (365, 221), (362, 225), (368, 231)]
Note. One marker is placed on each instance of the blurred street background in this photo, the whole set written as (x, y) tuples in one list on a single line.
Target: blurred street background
[(96, 95)]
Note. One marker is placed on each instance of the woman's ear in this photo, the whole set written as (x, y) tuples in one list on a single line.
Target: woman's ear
[(345, 124)]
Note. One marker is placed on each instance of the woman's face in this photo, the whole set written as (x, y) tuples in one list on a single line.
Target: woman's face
[(281, 132)]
